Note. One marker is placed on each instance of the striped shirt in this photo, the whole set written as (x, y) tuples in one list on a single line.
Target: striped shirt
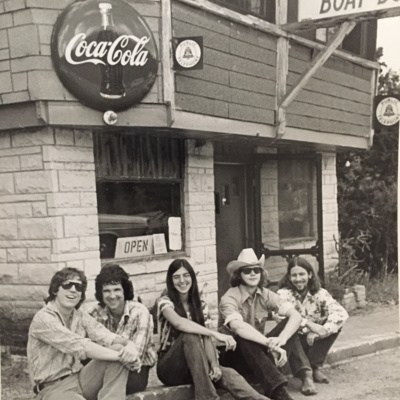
[(54, 350), (136, 324)]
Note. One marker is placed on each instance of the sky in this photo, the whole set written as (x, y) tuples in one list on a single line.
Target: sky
[(389, 39)]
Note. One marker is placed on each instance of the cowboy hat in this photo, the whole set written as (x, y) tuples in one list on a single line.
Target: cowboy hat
[(245, 258)]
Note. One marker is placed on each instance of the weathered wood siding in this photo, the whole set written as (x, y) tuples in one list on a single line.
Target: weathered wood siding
[(238, 78), (336, 100)]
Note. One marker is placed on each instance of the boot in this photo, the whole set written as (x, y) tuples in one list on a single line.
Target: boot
[(281, 393), (318, 376), (308, 388)]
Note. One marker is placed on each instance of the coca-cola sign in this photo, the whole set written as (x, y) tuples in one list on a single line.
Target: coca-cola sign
[(104, 53)]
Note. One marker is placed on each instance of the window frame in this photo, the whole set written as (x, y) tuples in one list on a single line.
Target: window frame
[(144, 180)]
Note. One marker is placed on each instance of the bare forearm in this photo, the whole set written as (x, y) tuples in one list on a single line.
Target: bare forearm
[(188, 326), (97, 352), (211, 352), (120, 340), (291, 327), (248, 332)]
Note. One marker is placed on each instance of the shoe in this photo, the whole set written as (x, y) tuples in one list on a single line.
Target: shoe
[(319, 377), (281, 393), (308, 388)]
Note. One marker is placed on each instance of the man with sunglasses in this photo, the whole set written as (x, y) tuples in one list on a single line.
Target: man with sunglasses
[(244, 311), (61, 335)]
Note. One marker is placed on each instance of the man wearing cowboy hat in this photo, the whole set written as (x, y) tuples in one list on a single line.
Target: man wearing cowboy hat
[(244, 311)]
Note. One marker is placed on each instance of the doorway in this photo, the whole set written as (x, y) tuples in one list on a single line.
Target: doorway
[(230, 215)]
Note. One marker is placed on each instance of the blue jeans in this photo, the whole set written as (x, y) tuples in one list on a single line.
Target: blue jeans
[(186, 362)]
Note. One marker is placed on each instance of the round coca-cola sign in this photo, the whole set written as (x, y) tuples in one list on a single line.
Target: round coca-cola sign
[(104, 53)]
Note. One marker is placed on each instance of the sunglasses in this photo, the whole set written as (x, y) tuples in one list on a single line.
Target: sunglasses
[(78, 286), (248, 270)]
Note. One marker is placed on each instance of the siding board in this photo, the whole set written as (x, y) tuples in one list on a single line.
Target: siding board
[(200, 105), (254, 114)]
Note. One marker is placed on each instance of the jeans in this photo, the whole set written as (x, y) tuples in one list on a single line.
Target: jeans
[(316, 354), (251, 358), (102, 380), (186, 362)]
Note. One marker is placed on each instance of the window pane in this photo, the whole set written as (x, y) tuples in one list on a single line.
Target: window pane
[(264, 9), (296, 199), (138, 194), (129, 209)]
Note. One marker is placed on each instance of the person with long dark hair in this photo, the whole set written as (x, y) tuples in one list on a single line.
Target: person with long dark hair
[(187, 353), (322, 316)]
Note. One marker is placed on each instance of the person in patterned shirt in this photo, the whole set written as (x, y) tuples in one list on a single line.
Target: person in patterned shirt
[(187, 354), (120, 313), (61, 335), (322, 316)]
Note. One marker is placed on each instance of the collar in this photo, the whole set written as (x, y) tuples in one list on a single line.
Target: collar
[(52, 306), (297, 295), (105, 314), (245, 294)]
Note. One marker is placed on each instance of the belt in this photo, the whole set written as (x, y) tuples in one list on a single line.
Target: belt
[(39, 387)]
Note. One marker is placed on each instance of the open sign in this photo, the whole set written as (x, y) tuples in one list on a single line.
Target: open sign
[(134, 246)]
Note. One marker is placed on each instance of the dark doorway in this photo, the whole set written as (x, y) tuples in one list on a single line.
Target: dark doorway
[(230, 214)]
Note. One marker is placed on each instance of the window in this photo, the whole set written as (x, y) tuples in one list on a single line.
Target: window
[(296, 197), (264, 9), (139, 181), (360, 41)]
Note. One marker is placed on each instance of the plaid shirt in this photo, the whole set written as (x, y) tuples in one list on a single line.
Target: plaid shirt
[(136, 324), (320, 308), (54, 350)]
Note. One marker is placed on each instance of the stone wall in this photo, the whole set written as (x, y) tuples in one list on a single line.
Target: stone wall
[(48, 218)]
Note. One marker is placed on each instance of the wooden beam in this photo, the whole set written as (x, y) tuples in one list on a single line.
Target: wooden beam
[(317, 63), (282, 65), (166, 57)]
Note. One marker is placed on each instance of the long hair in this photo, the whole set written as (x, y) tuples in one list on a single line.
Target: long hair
[(314, 283), (113, 274), (193, 295), (60, 277), (236, 278)]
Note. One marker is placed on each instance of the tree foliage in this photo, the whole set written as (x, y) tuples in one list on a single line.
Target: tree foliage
[(367, 195)]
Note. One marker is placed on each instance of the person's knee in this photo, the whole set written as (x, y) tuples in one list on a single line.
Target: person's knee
[(190, 338)]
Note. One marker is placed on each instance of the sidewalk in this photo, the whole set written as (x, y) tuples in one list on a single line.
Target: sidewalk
[(362, 335)]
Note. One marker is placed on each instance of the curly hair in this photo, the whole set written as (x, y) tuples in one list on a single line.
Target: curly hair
[(236, 278), (63, 275), (193, 296), (314, 284), (113, 274)]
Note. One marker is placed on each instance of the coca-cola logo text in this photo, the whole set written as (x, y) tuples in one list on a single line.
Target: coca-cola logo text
[(96, 52), (105, 54)]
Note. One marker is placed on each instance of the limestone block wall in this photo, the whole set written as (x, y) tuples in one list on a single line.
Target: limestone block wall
[(48, 218), (330, 209)]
